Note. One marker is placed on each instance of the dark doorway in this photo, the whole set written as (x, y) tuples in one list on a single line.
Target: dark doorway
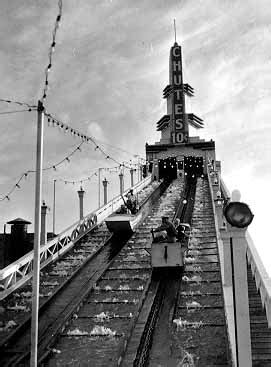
[(193, 166), (168, 168)]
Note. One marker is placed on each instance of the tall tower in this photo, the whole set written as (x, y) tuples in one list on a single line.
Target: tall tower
[(174, 126), (176, 147)]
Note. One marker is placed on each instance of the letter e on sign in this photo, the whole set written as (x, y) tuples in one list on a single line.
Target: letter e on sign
[(178, 108)]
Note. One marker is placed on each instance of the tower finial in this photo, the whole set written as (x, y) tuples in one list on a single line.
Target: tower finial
[(174, 22)]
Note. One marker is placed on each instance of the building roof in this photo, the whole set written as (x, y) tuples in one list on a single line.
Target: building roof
[(18, 221)]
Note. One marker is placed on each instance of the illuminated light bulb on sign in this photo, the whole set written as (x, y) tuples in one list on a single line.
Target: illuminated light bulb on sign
[(184, 201)]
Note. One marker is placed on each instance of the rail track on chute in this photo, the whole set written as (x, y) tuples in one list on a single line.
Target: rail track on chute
[(63, 286), (98, 332)]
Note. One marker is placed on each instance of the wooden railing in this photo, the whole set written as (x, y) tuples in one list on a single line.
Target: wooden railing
[(262, 279), (19, 272)]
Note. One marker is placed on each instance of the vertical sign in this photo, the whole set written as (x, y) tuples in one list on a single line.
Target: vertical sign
[(180, 127)]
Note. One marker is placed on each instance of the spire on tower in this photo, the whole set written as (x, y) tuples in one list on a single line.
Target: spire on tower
[(174, 22)]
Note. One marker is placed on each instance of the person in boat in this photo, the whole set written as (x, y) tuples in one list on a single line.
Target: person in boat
[(122, 210), (166, 232), (181, 229), (131, 202)]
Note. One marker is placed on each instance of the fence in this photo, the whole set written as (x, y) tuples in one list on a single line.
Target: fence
[(19, 272)]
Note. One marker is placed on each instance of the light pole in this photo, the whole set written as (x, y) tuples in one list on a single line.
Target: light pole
[(36, 259), (54, 208), (138, 174), (99, 187)]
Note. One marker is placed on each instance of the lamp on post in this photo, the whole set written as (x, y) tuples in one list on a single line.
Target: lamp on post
[(239, 217), (219, 209), (238, 214)]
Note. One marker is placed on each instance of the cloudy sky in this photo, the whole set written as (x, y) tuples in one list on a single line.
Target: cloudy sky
[(108, 72)]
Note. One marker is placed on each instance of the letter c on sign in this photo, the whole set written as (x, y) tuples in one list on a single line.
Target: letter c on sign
[(174, 51)]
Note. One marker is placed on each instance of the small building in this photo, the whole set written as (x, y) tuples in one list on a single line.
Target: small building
[(17, 243)]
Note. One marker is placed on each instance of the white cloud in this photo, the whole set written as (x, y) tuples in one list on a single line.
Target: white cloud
[(107, 80), (95, 130)]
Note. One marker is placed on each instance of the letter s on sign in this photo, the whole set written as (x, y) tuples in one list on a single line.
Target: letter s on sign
[(175, 53), (179, 124)]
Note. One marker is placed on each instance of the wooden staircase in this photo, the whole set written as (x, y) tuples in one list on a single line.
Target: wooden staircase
[(260, 333), (201, 329)]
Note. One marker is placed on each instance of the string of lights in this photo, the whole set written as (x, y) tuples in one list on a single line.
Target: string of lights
[(107, 169), (117, 148), (77, 181), (26, 173), (16, 111), (51, 51), (53, 121), (23, 104)]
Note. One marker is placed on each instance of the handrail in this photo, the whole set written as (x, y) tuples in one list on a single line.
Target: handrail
[(262, 279), (224, 190), (19, 272)]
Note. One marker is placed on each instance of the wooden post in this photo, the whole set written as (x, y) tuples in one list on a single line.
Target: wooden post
[(132, 177), (238, 247), (121, 183), (219, 212), (43, 233), (226, 257), (81, 194), (141, 172), (105, 183), (99, 187), (36, 260)]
